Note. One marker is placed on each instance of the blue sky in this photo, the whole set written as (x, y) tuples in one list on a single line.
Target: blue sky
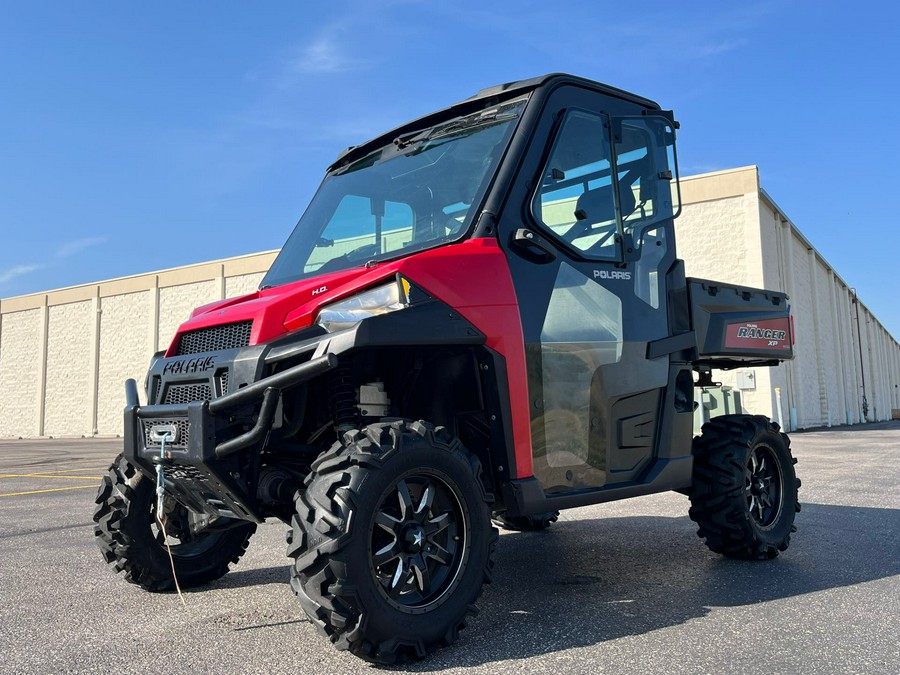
[(140, 136)]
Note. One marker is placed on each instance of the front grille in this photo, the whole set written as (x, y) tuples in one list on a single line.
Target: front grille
[(181, 394), (181, 440), (215, 338), (223, 382)]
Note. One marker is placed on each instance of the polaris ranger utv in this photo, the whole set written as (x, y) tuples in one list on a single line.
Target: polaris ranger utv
[(480, 316)]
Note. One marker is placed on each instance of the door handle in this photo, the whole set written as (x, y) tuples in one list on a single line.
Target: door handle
[(533, 245)]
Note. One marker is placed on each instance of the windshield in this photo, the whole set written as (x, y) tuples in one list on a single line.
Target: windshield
[(415, 193)]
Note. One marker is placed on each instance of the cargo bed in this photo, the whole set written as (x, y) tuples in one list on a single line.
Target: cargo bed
[(738, 326)]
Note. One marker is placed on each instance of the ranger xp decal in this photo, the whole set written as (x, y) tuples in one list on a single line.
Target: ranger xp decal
[(769, 334)]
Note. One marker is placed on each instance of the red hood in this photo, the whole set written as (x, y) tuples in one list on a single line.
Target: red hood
[(269, 309), (278, 310)]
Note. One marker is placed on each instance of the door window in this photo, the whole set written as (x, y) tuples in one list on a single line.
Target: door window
[(645, 173), (575, 200)]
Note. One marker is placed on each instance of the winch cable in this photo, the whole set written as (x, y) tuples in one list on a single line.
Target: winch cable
[(160, 494)]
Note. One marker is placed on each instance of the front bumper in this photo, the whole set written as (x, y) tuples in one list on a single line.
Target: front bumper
[(200, 463)]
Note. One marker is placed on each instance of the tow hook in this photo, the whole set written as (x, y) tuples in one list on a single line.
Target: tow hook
[(164, 435)]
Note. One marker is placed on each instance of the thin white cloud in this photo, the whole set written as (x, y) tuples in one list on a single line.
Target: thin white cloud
[(712, 32), (713, 48), (325, 54), (64, 250), (15, 271), (694, 169), (70, 248)]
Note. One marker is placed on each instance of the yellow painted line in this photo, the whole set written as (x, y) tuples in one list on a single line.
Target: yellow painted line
[(42, 475), (63, 467), (38, 470), (34, 492)]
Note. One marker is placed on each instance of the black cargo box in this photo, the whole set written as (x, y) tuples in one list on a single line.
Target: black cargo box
[(738, 326)]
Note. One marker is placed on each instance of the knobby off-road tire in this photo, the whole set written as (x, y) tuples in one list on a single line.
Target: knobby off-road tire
[(129, 538), (744, 494), (533, 523), (392, 541)]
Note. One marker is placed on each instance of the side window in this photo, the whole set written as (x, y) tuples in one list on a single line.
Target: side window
[(646, 171), (575, 200), (362, 228)]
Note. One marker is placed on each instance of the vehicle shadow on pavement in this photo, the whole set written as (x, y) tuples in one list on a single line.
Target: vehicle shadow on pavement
[(260, 576), (583, 582)]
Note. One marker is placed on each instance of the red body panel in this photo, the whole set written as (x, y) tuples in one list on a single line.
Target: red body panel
[(472, 277)]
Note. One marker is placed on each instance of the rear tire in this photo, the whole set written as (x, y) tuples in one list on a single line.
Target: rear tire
[(532, 523), (744, 493), (129, 538), (392, 541)]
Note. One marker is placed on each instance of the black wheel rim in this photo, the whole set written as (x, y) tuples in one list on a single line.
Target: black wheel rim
[(764, 486), (418, 542)]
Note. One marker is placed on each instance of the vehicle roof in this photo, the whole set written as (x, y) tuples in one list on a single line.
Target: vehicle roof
[(476, 102), (559, 78)]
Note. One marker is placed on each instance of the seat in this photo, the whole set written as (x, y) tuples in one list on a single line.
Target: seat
[(596, 206)]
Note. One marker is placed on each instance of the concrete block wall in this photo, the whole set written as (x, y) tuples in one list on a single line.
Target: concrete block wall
[(65, 354), (71, 334), (242, 284), (126, 344), (730, 229), (21, 379), (823, 385), (177, 302), (718, 237)]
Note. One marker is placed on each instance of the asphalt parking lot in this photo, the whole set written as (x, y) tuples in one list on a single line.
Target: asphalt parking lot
[(618, 588)]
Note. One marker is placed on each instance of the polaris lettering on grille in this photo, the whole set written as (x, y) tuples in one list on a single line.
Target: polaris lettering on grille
[(198, 365), (761, 334)]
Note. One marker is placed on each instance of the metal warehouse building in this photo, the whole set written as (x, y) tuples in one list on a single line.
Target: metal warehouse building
[(65, 354)]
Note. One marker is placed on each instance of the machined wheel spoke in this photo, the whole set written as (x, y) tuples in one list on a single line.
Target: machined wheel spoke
[(386, 522), (406, 505), (420, 573), (439, 554), (401, 575), (438, 524), (425, 500), (386, 554)]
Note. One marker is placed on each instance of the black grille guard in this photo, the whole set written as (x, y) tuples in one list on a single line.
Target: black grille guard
[(202, 450)]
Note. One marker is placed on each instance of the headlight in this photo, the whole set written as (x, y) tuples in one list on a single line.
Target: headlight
[(346, 313)]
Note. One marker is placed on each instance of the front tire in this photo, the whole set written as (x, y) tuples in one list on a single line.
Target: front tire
[(129, 536), (392, 541), (744, 493)]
